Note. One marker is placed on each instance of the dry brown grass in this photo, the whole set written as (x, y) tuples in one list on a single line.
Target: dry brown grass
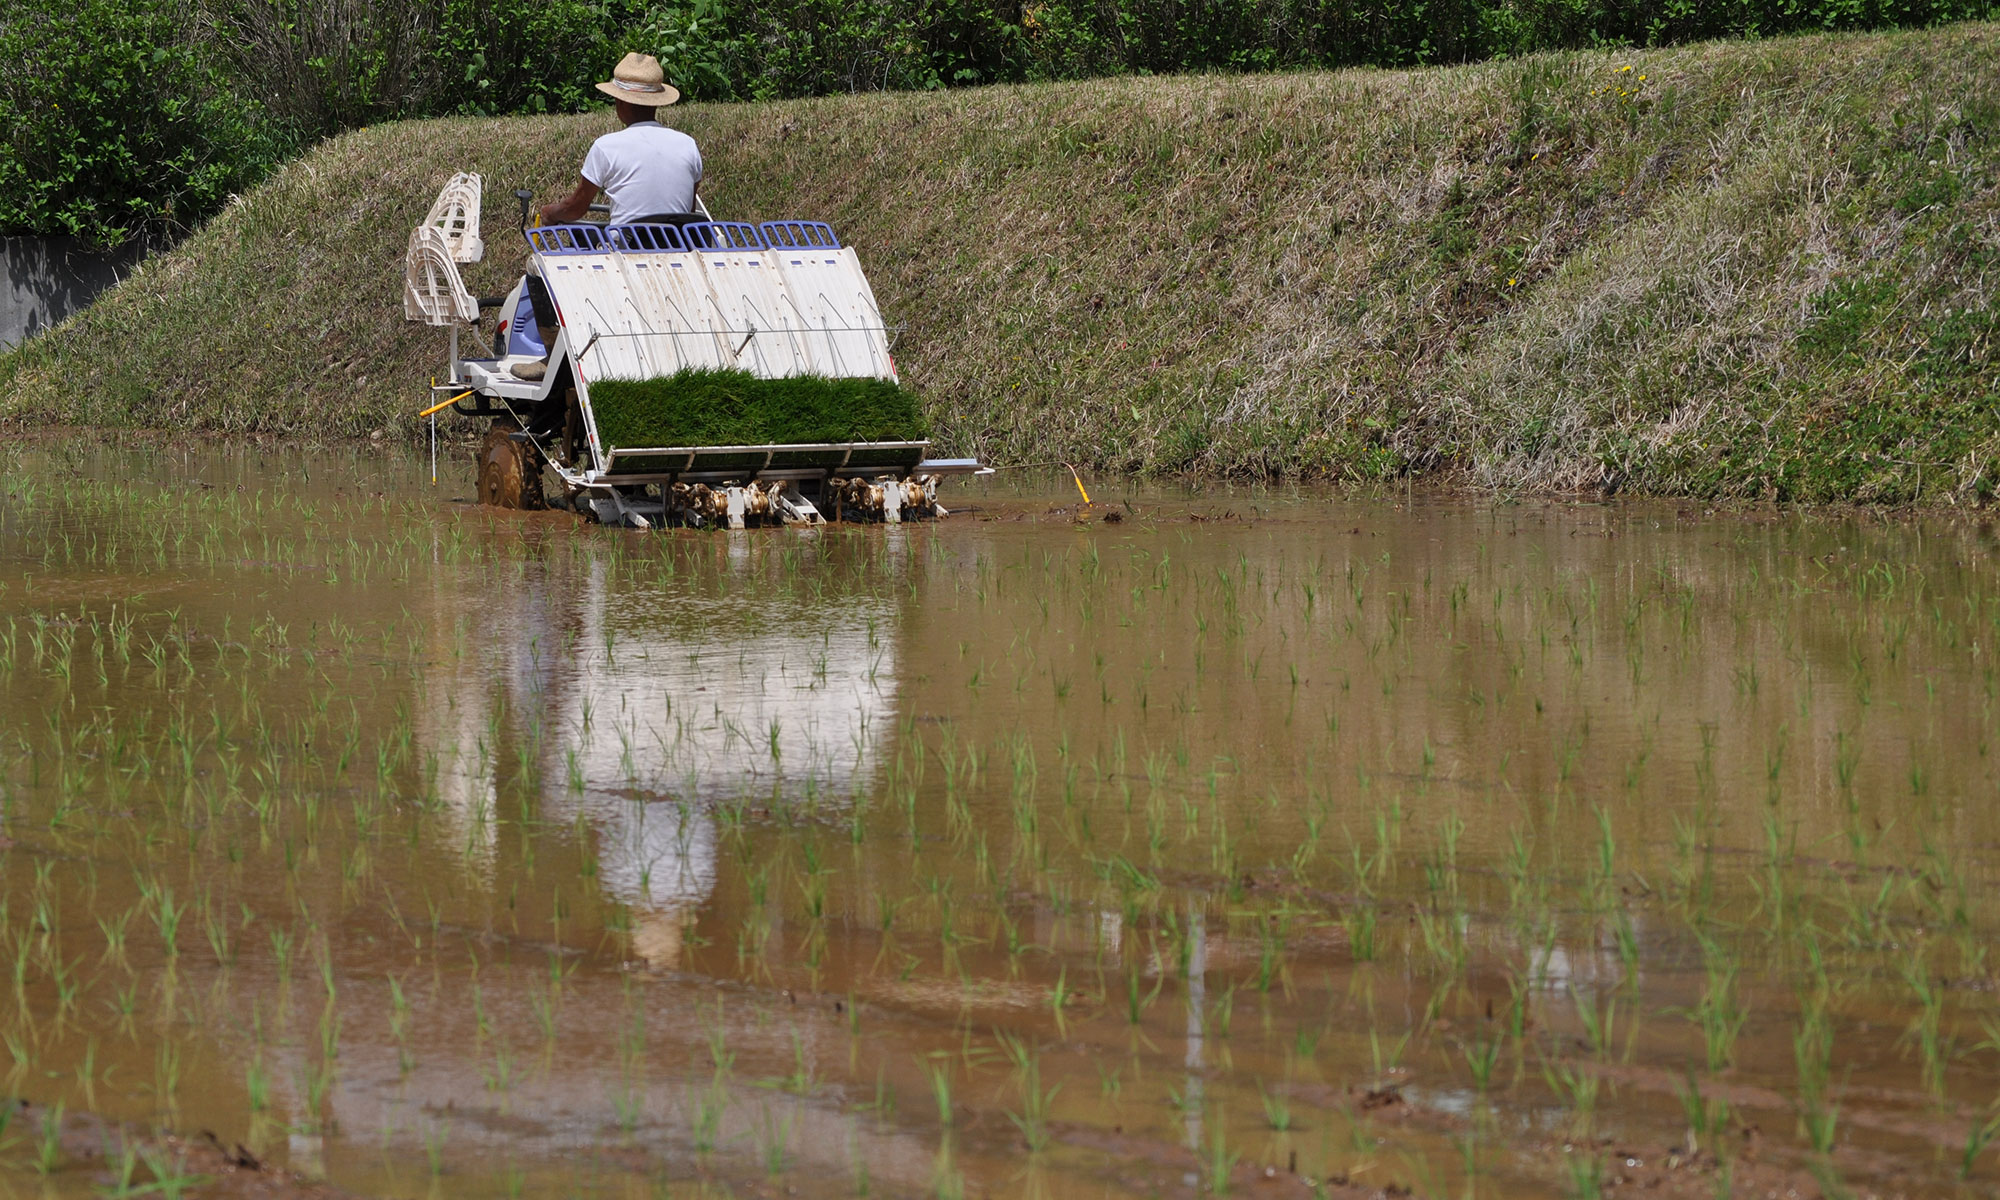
[(1769, 271)]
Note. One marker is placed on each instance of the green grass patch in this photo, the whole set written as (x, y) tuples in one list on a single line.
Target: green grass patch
[(736, 408), (1841, 317)]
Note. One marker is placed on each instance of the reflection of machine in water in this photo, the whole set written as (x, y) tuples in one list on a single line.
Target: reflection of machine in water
[(641, 711), (633, 710)]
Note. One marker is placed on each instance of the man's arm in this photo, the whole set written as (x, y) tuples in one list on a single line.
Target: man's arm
[(565, 211)]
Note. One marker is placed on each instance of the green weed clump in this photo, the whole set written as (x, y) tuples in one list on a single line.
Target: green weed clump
[(699, 407)]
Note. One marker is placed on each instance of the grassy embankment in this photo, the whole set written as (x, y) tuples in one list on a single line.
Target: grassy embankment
[(1728, 269)]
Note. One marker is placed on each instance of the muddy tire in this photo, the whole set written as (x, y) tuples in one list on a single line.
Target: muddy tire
[(510, 472)]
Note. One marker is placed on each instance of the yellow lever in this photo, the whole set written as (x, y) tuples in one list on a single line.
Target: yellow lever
[(1079, 484), (444, 404)]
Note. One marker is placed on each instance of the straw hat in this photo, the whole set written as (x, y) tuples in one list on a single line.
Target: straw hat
[(639, 80)]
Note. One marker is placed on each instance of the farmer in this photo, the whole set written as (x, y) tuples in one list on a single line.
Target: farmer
[(648, 172), (645, 169)]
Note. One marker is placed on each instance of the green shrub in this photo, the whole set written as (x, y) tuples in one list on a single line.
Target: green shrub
[(726, 49), (117, 124), (525, 56), (735, 408), (322, 70)]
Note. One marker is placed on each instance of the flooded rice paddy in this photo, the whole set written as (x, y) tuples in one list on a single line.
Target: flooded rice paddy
[(1268, 842)]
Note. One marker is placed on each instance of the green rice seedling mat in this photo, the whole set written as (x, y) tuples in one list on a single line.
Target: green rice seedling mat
[(700, 407)]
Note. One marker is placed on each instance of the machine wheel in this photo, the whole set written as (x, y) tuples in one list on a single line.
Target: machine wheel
[(510, 472)]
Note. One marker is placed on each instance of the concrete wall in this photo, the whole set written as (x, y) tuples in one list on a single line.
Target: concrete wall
[(44, 279)]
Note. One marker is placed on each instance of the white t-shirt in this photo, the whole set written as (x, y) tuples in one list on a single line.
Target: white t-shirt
[(644, 169)]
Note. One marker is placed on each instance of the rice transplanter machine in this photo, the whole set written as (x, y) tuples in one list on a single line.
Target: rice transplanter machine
[(645, 302)]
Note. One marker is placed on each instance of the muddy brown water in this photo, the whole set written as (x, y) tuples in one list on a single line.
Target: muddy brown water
[(1273, 841)]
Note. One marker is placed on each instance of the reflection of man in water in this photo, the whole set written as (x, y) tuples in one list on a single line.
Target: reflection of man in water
[(648, 172), (648, 721)]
